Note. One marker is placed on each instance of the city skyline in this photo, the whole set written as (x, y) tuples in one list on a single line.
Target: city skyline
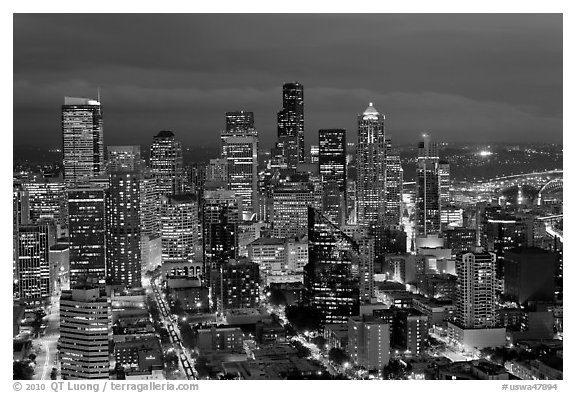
[(301, 249), (462, 77)]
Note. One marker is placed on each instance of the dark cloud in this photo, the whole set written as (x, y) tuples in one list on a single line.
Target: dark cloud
[(462, 77)]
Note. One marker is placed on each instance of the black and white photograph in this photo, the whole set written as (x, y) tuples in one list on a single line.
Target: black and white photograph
[(287, 196)]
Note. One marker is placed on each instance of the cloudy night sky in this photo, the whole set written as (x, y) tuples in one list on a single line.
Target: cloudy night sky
[(479, 77)]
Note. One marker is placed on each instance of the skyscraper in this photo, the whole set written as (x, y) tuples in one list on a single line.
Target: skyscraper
[(291, 124), (332, 169), (240, 150), (394, 185), (476, 289), (166, 163), (427, 188), (83, 139), (290, 203), (85, 329), (444, 178), (47, 201), (87, 232), (371, 167), (221, 215), (125, 158), (331, 275), (240, 123), (123, 256), (179, 228), (33, 267), (149, 204), (235, 285)]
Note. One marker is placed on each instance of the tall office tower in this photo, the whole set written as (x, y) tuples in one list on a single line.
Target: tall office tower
[(291, 124), (179, 228), (167, 163), (221, 215), (444, 178), (83, 139), (33, 266), (331, 276), (290, 203), (332, 169), (241, 154), (476, 289), (240, 123), (235, 285), (369, 342), (499, 232), (125, 158), (87, 233), (314, 152), (394, 186), (47, 200), (149, 204), (217, 171), (85, 329), (529, 274), (460, 239), (366, 268), (20, 216), (123, 255), (427, 188), (371, 167)]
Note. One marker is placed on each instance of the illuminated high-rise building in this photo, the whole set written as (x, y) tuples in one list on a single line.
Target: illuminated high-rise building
[(290, 203), (240, 150), (235, 284), (33, 266), (332, 169), (427, 188), (240, 123), (444, 178), (149, 204), (126, 158), (167, 163), (83, 139), (331, 277), (87, 233), (47, 200), (394, 186), (179, 228), (476, 289), (291, 124), (221, 215), (371, 167), (123, 256), (85, 331)]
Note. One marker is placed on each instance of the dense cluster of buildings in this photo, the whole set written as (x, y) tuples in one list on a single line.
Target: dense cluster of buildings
[(384, 262)]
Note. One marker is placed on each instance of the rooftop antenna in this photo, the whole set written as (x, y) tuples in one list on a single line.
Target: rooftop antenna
[(98, 94)]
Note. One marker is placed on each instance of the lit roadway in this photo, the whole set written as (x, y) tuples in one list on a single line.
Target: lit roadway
[(184, 362), (48, 356)]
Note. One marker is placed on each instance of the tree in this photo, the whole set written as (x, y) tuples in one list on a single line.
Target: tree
[(394, 370), (337, 355), (187, 334), (277, 297), (22, 370), (303, 351), (319, 341)]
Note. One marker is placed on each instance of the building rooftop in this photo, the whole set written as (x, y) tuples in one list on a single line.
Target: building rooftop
[(267, 241)]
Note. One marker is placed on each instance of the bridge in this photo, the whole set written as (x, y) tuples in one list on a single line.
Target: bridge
[(545, 182)]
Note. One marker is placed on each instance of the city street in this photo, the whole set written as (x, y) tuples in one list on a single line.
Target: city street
[(47, 357), (185, 364)]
